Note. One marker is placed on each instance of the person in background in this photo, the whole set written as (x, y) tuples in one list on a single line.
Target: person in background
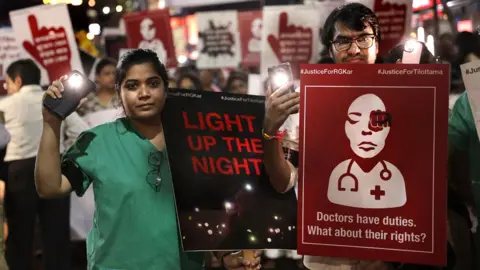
[(352, 35), (237, 83), (467, 45), (135, 223), (207, 77), (105, 97), (23, 119), (187, 79), (4, 140)]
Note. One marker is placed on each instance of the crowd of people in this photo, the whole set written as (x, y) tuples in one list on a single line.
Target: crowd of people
[(134, 223)]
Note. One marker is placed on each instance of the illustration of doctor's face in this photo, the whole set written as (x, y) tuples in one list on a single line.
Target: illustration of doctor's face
[(147, 29), (256, 28), (367, 125)]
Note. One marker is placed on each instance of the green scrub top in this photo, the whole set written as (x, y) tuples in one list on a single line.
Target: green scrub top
[(462, 136), (135, 224)]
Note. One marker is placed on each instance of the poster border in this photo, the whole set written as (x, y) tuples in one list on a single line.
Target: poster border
[(304, 104)]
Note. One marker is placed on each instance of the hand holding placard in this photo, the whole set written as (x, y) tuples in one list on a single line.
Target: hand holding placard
[(294, 44), (50, 48)]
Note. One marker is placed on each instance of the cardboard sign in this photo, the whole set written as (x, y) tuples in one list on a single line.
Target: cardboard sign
[(395, 17), (151, 30), (250, 26), (218, 40), (46, 35), (223, 197), (380, 192), (471, 79), (9, 52), (290, 34)]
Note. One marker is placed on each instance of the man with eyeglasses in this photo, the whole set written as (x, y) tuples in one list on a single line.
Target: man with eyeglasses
[(351, 35)]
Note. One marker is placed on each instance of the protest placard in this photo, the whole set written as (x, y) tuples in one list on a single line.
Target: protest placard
[(223, 196), (372, 174)]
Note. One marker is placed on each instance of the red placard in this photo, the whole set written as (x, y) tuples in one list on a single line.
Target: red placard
[(151, 30), (372, 174), (394, 17), (250, 27)]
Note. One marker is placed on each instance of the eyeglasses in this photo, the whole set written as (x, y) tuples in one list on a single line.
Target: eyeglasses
[(363, 42), (154, 177)]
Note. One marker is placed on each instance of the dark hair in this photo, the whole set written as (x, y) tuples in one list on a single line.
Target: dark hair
[(235, 75), (26, 69), (355, 16), (189, 74), (396, 53), (137, 57), (467, 43), (102, 64)]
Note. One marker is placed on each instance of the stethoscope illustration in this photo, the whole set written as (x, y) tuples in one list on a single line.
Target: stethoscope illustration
[(385, 175)]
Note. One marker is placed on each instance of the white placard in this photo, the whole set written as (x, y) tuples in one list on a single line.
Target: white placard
[(218, 40), (298, 16), (471, 79), (9, 50), (255, 85), (46, 35)]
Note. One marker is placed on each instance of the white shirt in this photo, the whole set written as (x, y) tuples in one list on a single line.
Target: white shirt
[(24, 121)]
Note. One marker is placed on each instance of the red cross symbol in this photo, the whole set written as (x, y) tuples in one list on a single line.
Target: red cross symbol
[(377, 192)]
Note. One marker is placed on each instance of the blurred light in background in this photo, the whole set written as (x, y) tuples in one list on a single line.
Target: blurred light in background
[(90, 36), (182, 59), (91, 3), (106, 10), (421, 34), (161, 4), (94, 28), (119, 8), (92, 13), (77, 2), (430, 44)]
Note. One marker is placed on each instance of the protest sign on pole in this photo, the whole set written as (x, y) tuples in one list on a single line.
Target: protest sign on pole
[(471, 79), (218, 40), (250, 26), (380, 192), (9, 52), (224, 198), (46, 35), (290, 34), (151, 30)]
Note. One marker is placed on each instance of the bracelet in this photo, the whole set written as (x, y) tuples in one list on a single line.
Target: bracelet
[(278, 136)]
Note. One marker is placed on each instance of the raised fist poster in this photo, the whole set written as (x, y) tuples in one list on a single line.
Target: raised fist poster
[(9, 52), (151, 30), (250, 26), (395, 18), (46, 35), (380, 192), (290, 34), (218, 40), (223, 196)]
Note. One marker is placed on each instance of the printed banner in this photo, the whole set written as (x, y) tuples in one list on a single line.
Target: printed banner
[(192, 3), (471, 79), (46, 35), (218, 40), (380, 192), (290, 34), (9, 52), (224, 198), (395, 17), (114, 46), (250, 26), (151, 30)]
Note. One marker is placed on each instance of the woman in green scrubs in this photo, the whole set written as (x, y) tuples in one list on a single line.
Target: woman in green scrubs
[(134, 225)]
